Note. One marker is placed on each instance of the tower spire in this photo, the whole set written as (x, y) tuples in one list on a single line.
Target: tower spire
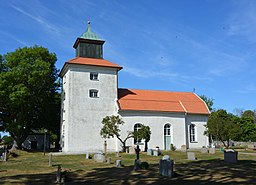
[(89, 45)]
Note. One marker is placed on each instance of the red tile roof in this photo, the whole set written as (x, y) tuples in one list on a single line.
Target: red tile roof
[(91, 62), (163, 101)]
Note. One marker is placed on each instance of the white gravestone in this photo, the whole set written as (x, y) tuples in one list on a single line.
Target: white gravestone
[(191, 155)]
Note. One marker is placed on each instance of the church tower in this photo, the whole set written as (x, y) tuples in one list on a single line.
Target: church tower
[(89, 93)]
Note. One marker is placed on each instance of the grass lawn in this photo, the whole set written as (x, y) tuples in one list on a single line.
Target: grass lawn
[(32, 168)]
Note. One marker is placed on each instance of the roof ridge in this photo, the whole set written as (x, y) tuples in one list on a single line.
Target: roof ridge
[(183, 107), (157, 90), (151, 100)]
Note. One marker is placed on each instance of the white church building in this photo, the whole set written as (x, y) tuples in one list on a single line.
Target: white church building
[(90, 92)]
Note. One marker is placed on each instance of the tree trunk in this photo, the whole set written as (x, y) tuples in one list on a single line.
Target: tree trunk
[(124, 147), (146, 146)]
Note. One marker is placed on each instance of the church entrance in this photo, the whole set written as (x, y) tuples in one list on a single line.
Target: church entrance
[(167, 136)]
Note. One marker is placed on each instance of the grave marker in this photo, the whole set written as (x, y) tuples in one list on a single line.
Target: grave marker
[(191, 155)]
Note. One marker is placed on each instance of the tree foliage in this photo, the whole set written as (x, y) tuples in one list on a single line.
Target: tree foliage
[(222, 126), (143, 133), (111, 129), (248, 129), (250, 114), (28, 97), (208, 101)]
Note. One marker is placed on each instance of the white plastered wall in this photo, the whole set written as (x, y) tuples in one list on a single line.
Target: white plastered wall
[(156, 122), (83, 115), (199, 121)]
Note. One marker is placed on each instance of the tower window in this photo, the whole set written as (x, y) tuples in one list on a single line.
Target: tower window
[(94, 76), (93, 93)]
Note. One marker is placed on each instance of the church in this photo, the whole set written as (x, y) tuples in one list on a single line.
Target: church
[(90, 92)]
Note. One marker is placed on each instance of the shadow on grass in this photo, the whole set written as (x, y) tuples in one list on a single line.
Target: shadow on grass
[(197, 172), (45, 178)]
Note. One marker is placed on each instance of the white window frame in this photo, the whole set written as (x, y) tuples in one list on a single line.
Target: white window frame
[(137, 127), (167, 129), (93, 93), (192, 133), (94, 76)]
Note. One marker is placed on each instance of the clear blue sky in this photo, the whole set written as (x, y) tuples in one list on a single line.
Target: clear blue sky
[(173, 45)]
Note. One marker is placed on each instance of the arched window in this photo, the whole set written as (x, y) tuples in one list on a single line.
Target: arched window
[(167, 136), (192, 132), (167, 130), (137, 127)]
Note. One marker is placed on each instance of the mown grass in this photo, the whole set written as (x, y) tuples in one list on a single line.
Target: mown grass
[(32, 168)]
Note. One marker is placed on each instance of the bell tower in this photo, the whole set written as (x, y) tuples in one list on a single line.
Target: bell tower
[(89, 45)]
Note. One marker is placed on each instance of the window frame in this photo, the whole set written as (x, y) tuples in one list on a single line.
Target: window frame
[(192, 133), (92, 76), (92, 93), (167, 130), (137, 127)]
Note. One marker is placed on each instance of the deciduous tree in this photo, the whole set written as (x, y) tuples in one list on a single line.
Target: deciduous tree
[(222, 127), (111, 129), (208, 101), (27, 91), (143, 133)]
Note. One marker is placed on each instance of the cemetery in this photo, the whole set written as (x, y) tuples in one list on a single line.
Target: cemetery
[(206, 166)]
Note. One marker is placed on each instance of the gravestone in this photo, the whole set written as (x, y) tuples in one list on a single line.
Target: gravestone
[(50, 159), (251, 146), (149, 152), (230, 156), (117, 154), (118, 163), (155, 152), (204, 150), (108, 160), (212, 150), (166, 166), (166, 157), (99, 157), (137, 165), (87, 155), (131, 150), (191, 155), (183, 148)]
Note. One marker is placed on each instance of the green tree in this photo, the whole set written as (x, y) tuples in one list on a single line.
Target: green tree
[(248, 128), (208, 101), (111, 129), (143, 133), (222, 127), (250, 114), (28, 86)]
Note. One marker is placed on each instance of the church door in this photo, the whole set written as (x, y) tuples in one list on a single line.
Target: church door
[(167, 137)]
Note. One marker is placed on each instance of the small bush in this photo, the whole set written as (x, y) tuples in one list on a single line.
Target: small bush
[(144, 165)]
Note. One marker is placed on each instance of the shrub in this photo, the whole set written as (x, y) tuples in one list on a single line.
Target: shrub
[(144, 165)]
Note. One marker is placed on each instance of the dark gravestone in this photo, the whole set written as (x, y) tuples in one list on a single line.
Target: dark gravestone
[(166, 166), (230, 156), (137, 165)]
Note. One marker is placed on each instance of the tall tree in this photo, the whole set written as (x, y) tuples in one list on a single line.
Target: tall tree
[(111, 129), (222, 127), (27, 91), (248, 128), (250, 114), (143, 133), (208, 101)]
